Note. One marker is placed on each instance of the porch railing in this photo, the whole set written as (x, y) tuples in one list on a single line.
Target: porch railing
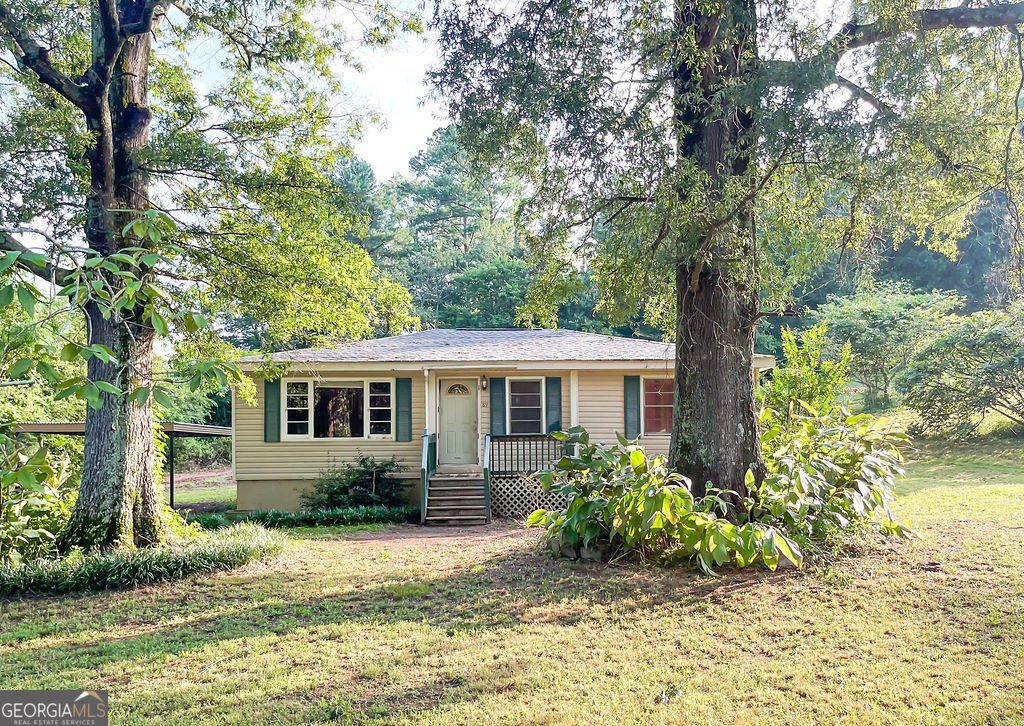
[(427, 468), (487, 475), (522, 453)]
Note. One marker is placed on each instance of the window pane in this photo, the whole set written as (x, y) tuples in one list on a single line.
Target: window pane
[(380, 402), (298, 429), (658, 405), (525, 427), (380, 387), (338, 413), (524, 399), (297, 387), (297, 401), (524, 387), (380, 414), (657, 419), (298, 414), (380, 427)]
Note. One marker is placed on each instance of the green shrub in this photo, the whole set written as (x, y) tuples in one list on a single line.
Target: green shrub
[(808, 381), (209, 520), (823, 478), (974, 369), (827, 477), (368, 482), (340, 517), (619, 498), (202, 452), (35, 506), (212, 552)]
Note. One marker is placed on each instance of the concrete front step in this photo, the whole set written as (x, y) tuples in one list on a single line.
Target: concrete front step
[(455, 491)]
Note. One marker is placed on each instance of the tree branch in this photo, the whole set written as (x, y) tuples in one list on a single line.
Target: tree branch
[(147, 18), (854, 35), (37, 59), (47, 271)]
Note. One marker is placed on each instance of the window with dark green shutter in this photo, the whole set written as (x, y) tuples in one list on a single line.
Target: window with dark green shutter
[(497, 386), (631, 401), (271, 411)]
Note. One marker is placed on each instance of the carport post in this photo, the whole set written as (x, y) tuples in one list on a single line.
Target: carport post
[(170, 459)]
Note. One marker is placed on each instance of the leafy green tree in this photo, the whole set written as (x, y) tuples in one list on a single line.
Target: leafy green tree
[(973, 369), (107, 120), (809, 378), (487, 295), (707, 156), (885, 326)]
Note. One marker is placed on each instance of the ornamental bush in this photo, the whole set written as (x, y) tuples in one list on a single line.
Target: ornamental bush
[(368, 482), (823, 480)]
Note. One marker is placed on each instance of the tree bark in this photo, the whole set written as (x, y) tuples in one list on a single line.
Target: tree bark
[(714, 430), (118, 503)]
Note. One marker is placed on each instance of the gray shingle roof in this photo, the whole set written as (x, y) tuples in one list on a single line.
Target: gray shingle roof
[(506, 344)]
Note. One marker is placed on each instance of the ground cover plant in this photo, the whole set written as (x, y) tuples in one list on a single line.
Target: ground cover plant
[(446, 627), (339, 517), (199, 554)]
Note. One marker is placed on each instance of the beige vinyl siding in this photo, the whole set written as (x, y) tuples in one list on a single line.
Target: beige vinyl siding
[(256, 459), (272, 475), (602, 406)]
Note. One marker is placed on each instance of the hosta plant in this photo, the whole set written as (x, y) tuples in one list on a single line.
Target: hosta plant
[(824, 477), (32, 504), (620, 498)]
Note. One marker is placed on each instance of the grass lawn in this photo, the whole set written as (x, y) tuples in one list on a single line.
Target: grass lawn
[(432, 626), (214, 488)]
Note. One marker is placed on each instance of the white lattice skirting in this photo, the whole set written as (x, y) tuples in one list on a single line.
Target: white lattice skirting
[(517, 496)]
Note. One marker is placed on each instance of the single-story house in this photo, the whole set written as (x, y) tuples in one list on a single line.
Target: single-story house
[(466, 413)]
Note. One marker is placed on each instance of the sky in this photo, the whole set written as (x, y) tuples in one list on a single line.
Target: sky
[(392, 84)]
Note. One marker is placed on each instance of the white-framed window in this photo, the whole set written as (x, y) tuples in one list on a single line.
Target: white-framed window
[(295, 409), (343, 409), (656, 396), (524, 405)]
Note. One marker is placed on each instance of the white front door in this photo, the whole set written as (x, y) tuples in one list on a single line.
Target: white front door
[(457, 439)]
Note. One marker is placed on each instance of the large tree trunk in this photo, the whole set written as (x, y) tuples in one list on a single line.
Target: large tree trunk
[(118, 503), (714, 430)]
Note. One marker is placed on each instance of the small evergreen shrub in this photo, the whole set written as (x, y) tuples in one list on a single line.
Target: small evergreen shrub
[(368, 482), (340, 517), (211, 552)]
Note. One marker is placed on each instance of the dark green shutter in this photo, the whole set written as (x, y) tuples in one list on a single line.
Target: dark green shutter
[(632, 406), (497, 406), (403, 409), (272, 411), (553, 403)]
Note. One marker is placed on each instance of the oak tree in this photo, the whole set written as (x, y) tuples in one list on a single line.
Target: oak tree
[(705, 156)]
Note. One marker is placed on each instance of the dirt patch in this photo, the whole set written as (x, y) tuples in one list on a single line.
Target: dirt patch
[(204, 478)]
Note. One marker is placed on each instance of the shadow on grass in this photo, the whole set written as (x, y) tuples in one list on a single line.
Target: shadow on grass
[(488, 597)]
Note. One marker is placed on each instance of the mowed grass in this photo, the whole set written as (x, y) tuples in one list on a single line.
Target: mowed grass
[(476, 626), (207, 490)]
